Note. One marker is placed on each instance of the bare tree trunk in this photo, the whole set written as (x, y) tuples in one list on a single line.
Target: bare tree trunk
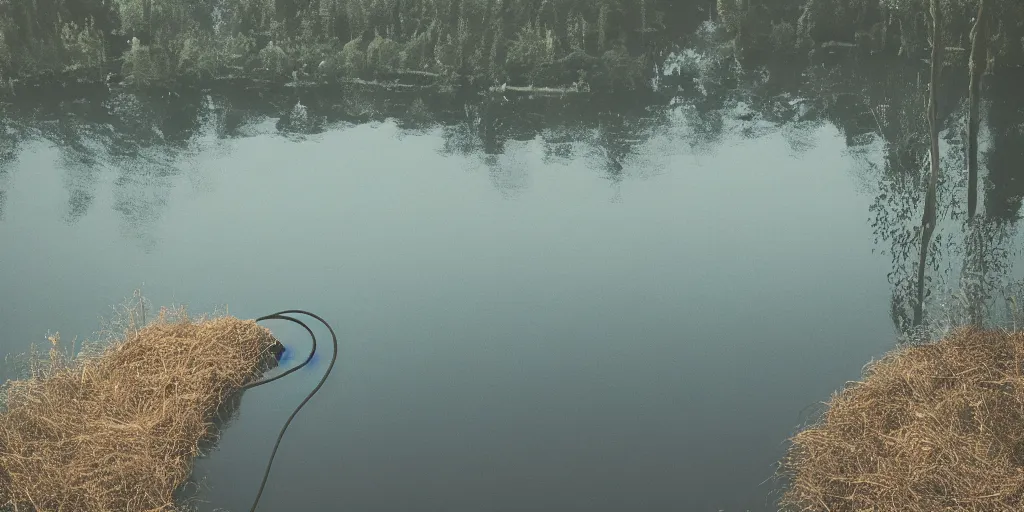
[(976, 68), (978, 63), (928, 220), (974, 271)]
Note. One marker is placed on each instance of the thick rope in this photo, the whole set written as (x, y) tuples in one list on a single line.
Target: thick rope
[(282, 315)]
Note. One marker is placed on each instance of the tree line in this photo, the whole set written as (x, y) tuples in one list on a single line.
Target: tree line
[(606, 44)]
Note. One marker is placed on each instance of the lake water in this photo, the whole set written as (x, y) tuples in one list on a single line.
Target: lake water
[(543, 304)]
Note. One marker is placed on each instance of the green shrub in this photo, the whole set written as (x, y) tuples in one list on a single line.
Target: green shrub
[(446, 55), (530, 52), (237, 52), (199, 58), (273, 59), (145, 64), (417, 52), (353, 58), (532, 47), (624, 72), (383, 54), (83, 47), (332, 66)]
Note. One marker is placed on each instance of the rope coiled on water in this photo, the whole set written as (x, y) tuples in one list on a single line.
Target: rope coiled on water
[(284, 315)]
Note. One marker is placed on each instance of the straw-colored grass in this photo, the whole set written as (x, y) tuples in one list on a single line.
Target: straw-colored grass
[(931, 427), (118, 429)]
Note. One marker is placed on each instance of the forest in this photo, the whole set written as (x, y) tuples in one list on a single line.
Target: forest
[(599, 45)]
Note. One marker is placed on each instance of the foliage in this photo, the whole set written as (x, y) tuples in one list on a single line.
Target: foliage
[(622, 70), (532, 48), (825, 20), (180, 39), (235, 52), (383, 54), (198, 58), (144, 64), (416, 54), (353, 58), (902, 26), (83, 47), (47, 36), (491, 40), (273, 59)]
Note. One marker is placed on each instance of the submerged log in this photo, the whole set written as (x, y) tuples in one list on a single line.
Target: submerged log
[(547, 91)]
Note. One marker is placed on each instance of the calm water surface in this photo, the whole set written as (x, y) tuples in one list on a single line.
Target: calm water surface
[(613, 311)]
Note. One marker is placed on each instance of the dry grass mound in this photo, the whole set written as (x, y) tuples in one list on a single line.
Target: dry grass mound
[(931, 427), (119, 429)]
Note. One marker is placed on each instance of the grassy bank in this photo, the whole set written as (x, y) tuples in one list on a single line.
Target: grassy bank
[(118, 427), (936, 426)]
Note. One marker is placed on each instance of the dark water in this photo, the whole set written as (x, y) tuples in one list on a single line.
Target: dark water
[(544, 304)]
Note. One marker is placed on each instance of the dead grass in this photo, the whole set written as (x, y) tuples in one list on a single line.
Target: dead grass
[(118, 428), (931, 427)]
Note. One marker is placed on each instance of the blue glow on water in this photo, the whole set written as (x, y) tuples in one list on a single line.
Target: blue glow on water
[(313, 363), (286, 356), (291, 357)]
